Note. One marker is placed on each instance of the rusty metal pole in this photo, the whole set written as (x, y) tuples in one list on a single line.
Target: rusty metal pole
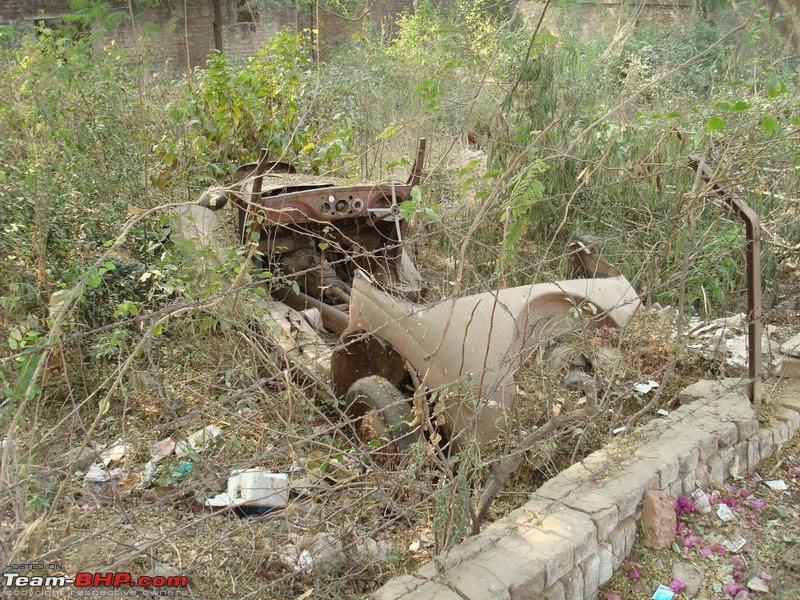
[(753, 260), (753, 270), (247, 207)]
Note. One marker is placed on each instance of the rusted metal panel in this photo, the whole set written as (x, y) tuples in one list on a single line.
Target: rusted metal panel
[(319, 231), (478, 342)]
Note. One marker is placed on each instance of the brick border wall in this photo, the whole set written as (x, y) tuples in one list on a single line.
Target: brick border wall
[(578, 528)]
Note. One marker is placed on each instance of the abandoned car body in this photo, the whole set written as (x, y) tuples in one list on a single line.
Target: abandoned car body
[(342, 246), (478, 342)]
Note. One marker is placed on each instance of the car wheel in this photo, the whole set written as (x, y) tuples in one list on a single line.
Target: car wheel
[(381, 413)]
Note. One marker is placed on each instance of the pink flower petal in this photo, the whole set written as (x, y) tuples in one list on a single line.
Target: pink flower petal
[(729, 588), (676, 585)]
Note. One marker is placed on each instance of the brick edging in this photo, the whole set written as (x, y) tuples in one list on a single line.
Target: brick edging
[(578, 527)]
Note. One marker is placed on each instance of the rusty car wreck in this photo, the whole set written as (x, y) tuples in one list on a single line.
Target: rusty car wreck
[(342, 247), (481, 340)]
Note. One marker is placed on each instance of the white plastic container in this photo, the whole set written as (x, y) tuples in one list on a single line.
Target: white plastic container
[(256, 487)]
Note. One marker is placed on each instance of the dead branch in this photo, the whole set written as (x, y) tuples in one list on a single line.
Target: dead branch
[(508, 464)]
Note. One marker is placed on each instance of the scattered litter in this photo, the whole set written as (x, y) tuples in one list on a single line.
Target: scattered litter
[(158, 451), (148, 472), (114, 453), (618, 430), (663, 593), (198, 441), (98, 479), (178, 473), (734, 544), (732, 323), (663, 412), (96, 474), (162, 449), (254, 487), (724, 512), (314, 318), (645, 387), (777, 484), (701, 501), (316, 554), (299, 563)]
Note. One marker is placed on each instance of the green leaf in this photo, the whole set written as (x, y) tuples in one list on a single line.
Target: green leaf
[(715, 123), (781, 511), (740, 105), (389, 131), (774, 87), (158, 329), (407, 209), (769, 125), (110, 265), (722, 106)]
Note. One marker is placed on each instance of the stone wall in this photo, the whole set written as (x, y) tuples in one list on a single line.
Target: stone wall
[(576, 529)]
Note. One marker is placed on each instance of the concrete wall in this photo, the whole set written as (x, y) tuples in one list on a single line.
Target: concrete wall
[(579, 527)]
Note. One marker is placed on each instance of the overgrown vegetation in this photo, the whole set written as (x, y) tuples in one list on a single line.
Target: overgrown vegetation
[(111, 334)]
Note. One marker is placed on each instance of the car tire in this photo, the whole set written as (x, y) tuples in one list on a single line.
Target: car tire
[(381, 412)]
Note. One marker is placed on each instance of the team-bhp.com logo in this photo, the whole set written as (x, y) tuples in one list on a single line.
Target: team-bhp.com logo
[(16, 584)]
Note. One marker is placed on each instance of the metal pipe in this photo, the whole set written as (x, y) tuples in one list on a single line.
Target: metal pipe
[(752, 224), (332, 318)]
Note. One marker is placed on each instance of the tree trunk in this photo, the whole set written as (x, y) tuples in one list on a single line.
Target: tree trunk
[(217, 24)]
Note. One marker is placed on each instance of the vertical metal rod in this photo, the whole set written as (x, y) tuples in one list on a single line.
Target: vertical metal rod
[(753, 271), (753, 258), (246, 207)]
